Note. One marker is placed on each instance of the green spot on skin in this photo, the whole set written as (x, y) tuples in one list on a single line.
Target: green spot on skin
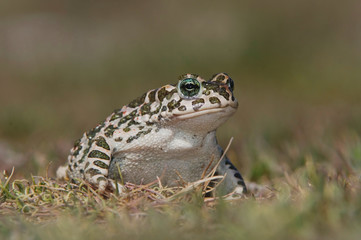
[(76, 152), (114, 117), (101, 178), (93, 171), (130, 139), (145, 109), (223, 92), (77, 147), (182, 108), (151, 96), (77, 143), (101, 142), (170, 94), (133, 114), (210, 86), (86, 151), (108, 132), (87, 165), (220, 78), (156, 110), (197, 101), (127, 129), (170, 105), (197, 104), (139, 134), (214, 100), (173, 104), (138, 101), (91, 133), (119, 139), (148, 131), (100, 164), (122, 121), (118, 111), (161, 94), (127, 118), (132, 122), (98, 154)]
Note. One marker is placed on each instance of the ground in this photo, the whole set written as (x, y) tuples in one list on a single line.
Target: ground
[(317, 199), (297, 133)]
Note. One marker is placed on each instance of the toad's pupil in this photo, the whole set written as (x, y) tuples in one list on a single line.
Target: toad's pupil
[(189, 86)]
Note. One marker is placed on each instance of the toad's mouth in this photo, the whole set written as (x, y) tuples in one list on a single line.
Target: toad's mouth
[(227, 110)]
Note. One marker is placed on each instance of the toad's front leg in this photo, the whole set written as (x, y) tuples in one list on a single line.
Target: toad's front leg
[(233, 181)]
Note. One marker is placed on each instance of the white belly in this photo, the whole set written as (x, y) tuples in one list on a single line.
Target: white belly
[(180, 158)]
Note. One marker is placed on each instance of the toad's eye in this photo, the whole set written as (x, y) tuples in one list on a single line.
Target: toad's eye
[(189, 87)]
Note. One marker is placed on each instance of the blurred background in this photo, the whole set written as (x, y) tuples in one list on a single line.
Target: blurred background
[(65, 66)]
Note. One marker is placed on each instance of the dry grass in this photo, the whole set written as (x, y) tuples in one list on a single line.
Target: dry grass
[(315, 201), (43, 198)]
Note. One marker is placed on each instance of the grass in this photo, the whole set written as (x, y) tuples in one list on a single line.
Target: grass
[(317, 200)]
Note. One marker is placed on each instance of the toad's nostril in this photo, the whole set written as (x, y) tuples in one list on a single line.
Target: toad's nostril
[(230, 84)]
